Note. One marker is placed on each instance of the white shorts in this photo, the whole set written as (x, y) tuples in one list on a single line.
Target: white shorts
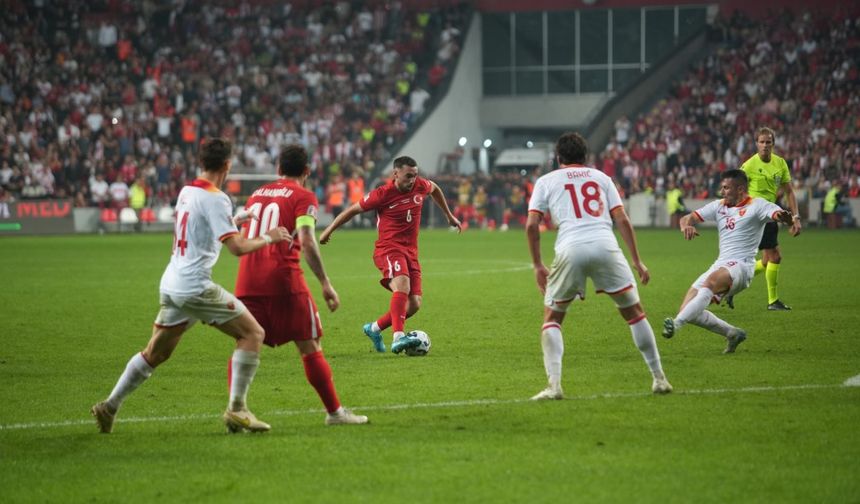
[(213, 306), (741, 272), (608, 270)]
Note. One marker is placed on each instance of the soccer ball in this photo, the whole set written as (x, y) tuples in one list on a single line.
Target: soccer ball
[(421, 349)]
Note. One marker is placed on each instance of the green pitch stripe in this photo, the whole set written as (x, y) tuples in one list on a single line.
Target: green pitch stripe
[(10, 226)]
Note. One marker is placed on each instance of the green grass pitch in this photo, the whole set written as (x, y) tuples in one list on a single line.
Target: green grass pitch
[(771, 423)]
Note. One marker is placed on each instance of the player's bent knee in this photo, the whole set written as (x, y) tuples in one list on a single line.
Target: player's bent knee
[(257, 335), (632, 314), (626, 299)]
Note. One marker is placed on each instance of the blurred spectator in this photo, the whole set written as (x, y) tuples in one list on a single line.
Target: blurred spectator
[(355, 188), (119, 194), (137, 198), (836, 212), (335, 195), (99, 190), (675, 205)]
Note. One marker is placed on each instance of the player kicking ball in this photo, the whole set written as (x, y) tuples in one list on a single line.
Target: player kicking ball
[(398, 208), (740, 222)]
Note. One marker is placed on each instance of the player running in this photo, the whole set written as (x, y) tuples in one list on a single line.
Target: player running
[(398, 208), (271, 282), (203, 222), (740, 222), (583, 202)]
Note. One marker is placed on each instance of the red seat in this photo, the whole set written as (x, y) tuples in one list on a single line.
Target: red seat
[(109, 215), (147, 215)]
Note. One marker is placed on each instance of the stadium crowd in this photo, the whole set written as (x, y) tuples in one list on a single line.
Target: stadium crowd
[(794, 72), (102, 99), (106, 102)]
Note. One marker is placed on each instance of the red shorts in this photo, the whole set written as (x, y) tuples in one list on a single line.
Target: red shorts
[(396, 264), (286, 318)]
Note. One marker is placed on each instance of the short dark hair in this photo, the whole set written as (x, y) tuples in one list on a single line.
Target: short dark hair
[(737, 175), (571, 148), (404, 161), (214, 154), (292, 160)]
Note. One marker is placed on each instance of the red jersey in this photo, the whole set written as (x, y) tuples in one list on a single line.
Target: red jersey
[(275, 270), (398, 216)]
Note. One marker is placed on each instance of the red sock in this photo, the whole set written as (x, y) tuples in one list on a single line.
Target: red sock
[(397, 311), (318, 374), (384, 321)]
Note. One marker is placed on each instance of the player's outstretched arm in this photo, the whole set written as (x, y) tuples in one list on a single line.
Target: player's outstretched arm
[(439, 198), (533, 236), (625, 227), (315, 263), (238, 245), (339, 221), (688, 225), (792, 205)]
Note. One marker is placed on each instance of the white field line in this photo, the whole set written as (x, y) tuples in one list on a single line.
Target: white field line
[(854, 381), (514, 267), (444, 404)]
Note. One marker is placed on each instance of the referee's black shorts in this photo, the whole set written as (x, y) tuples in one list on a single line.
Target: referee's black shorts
[(769, 238)]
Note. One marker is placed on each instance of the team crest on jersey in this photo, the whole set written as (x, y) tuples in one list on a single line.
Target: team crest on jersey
[(742, 212), (418, 199), (231, 306)]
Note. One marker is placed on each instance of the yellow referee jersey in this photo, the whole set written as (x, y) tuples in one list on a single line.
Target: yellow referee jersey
[(765, 178)]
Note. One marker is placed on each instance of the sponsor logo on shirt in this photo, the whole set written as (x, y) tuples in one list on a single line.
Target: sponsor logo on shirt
[(406, 200)]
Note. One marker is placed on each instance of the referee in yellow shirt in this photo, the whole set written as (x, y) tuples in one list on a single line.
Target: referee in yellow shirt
[(767, 174)]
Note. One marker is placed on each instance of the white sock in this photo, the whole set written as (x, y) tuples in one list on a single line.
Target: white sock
[(553, 350), (695, 307), (374, 327), (396, 336), (244, 367), (136, 372), (643, 337), (711, 322)]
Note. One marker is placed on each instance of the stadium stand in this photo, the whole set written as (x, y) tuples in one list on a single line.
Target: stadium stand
[(119, 88), (794, 72), (92, 93)]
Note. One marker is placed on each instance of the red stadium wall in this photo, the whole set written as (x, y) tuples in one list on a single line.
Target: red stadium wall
[(726, 6)]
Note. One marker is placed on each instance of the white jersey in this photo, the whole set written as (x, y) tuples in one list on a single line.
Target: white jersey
[(740, 226), (579, 200), (203, 220)]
